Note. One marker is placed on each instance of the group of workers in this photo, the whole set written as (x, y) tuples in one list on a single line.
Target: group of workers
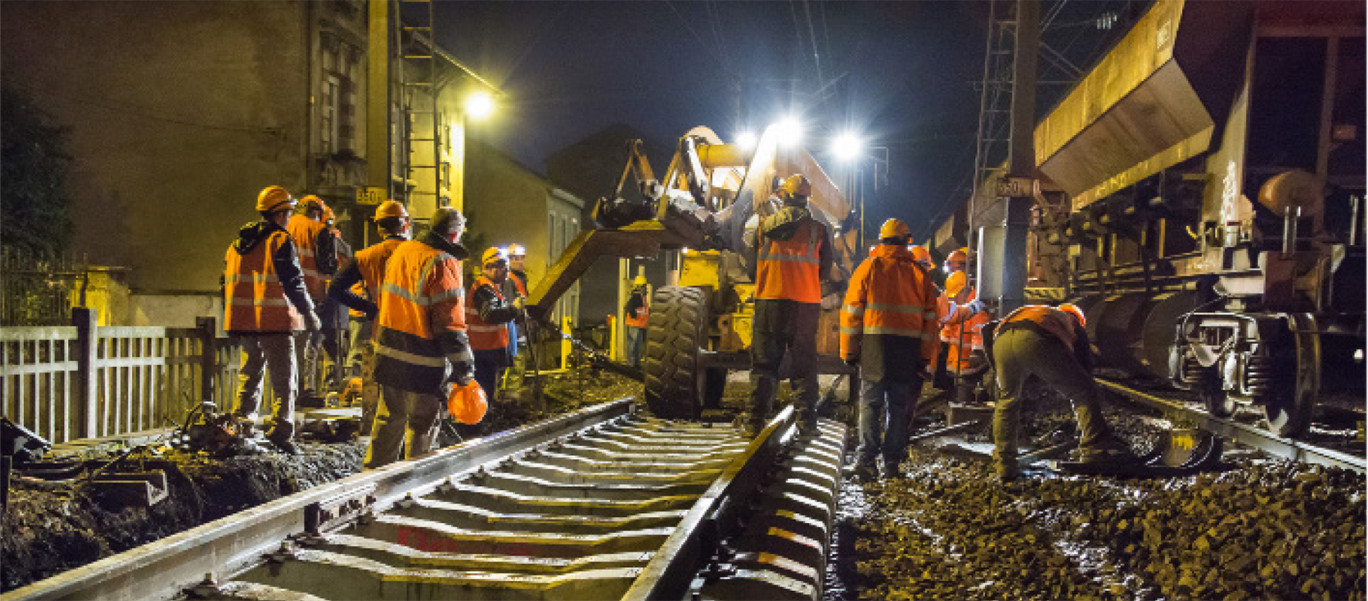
[(419, 331), (894, 322), (416, 329)]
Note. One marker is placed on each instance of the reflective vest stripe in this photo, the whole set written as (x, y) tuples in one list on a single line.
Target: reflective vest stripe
[(254, 298), (790, 269), (305, 233), (440, 296), (409, 355)]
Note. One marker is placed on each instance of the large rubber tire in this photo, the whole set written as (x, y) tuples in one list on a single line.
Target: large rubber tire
[(676, 333)]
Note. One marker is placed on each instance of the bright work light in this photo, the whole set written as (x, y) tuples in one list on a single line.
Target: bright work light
[(790, 132), (746, 140), (847, 147), (479, 105)]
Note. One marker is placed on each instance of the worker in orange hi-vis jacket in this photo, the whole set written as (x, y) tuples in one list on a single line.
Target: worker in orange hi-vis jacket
[(264, 303), (357, 286), (421, 342), (317, 258), (1051, 345), (793, 250), (962, 316), (888, 329)]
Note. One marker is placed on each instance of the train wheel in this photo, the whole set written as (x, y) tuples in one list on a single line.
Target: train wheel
[(1292, 404), (1217, 402), (674, 336)]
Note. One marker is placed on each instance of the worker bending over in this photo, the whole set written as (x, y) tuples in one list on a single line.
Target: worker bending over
[(793, 250), (364, 275), (264, 304), (487, 316), (636, 315), (420, 337), (1052, 345), (962, 317), (316, 257), (888, 329)]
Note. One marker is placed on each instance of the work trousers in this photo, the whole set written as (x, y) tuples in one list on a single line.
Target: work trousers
[(405, 421), (489, 368), (888, 401), (274, 352), (306, 347), (1020, 354), (359, 342), (361, 364), (783, 327), (636, 343)]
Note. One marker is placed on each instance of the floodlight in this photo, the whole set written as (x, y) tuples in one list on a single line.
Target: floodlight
[(790, 132), (479, 105), (746, 140), (847, 147)]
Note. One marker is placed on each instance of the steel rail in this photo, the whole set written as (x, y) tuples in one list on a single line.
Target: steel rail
[(670, 571), (162, 570), (1252, 436)]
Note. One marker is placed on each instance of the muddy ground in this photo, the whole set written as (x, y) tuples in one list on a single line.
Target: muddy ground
[(51, 527)]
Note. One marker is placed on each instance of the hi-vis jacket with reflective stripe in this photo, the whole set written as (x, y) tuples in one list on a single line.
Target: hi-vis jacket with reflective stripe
[(487, 316), (420, 330), (793, 251), (263, 288), (961, 329), (306, 233), (364, 274), (889, 316), (1051, 322)]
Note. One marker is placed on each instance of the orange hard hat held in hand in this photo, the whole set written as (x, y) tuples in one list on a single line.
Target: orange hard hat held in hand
[(467, 403)]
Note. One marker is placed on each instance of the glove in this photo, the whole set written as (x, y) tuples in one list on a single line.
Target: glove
[(519, 303), (928, 373), (975, 306), (311, 322)]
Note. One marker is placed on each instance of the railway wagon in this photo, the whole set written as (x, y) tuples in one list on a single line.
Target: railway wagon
[(1200, 194)]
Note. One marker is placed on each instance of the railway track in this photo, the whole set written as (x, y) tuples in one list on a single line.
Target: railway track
[(1251, 436), (599, 504)]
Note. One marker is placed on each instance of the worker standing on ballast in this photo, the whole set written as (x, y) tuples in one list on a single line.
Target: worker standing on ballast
[(367, 270), (636, 315), (487, 315), (962, 316), (316, 258), (1050, 344), (420, 337), (264, 303), (888, 329), (793, 251), (513, 288)]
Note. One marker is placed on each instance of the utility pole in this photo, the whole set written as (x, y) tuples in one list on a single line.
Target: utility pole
[(1002, 238)]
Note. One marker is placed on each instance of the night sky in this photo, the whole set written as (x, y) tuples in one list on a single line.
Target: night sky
[(901, 73)]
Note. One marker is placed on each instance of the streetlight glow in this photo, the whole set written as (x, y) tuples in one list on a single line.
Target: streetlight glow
[(479, 105), (847, 147), (790, 132)]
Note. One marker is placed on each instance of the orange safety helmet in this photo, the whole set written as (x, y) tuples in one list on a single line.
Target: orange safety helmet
[(390, 208), (1073, 309), (955, 283), (919, 254), (467, 404), (312, 202), (895, 228), (274, 198)]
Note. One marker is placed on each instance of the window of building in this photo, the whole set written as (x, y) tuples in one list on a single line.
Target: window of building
[(337, 96)]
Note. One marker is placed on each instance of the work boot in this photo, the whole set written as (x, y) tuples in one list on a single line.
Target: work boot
[(281, 436), (863, 472), (1109, 450), (807, 426)]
